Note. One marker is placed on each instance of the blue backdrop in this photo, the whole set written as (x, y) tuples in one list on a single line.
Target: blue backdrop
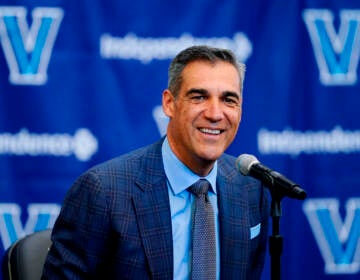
[(81, 82)]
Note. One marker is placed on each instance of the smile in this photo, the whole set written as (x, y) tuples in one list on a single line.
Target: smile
[(211, 131)]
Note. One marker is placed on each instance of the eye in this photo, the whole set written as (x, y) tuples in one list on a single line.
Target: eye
[(231, 101), (198, 97)]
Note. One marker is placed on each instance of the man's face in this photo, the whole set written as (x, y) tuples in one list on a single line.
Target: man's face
[(205, 116)]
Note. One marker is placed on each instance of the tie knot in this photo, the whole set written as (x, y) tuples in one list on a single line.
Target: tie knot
[(199, 187)]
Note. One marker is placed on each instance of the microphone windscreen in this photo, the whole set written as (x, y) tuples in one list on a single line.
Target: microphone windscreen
[(244, 162)]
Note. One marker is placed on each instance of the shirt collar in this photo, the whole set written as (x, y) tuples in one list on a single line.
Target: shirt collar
[(180, 177)]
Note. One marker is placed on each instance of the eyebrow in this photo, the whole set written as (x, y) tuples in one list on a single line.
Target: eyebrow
[(232, 94), (205, 92), (196, 90)]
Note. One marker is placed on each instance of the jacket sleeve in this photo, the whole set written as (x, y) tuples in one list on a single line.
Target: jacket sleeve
[(80, 232)]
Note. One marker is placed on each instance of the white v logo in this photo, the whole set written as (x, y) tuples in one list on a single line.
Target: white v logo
[(338, 241), (337, 54), (27, 51), (40, 216)]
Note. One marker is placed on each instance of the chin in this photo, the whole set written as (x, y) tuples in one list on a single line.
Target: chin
[(210, 157), (209, 152)]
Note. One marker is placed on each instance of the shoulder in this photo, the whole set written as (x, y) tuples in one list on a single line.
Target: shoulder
[(122, 170), (142, 156)]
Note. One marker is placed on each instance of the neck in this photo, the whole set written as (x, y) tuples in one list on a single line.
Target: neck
[(203, 168)]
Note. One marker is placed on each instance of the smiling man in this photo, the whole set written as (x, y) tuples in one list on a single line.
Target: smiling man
[(176, 209)]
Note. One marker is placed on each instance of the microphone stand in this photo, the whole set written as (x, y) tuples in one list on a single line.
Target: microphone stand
[(275, 240)]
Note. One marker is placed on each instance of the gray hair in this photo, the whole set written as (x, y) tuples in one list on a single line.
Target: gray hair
[(204, 53)]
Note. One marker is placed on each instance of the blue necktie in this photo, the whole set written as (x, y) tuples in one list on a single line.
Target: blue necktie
[(203, 234)]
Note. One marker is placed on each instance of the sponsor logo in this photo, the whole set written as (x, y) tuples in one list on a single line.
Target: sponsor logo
[(83, 144), (28, 50), (148, 49), (336, 53), (338, 240), (294, 142)]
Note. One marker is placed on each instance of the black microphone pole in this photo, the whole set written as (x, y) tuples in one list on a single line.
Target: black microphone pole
[(275, 240)]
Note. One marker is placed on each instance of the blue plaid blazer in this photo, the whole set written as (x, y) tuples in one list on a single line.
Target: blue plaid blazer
[(115, 222)]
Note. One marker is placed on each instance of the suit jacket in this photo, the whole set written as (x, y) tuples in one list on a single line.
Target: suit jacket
[(115, 222)]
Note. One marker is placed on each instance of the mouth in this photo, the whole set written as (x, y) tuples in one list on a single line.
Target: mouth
[(211, 131)]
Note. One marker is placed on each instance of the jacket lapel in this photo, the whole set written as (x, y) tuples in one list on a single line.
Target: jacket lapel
[(234, 224), (153, 215)]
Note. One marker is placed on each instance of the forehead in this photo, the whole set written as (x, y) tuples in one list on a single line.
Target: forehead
[(205, 74)]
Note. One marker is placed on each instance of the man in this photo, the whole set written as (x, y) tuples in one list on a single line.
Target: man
[(132, 217)]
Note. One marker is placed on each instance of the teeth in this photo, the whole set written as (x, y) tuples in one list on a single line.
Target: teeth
[(211, 131)]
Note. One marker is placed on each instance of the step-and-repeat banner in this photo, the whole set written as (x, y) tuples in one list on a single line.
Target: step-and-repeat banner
[(81, 82)]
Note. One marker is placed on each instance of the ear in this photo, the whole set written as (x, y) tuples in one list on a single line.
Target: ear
[(168, 103)]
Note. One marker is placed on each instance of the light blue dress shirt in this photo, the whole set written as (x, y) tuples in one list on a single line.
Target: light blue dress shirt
[(179, 178)]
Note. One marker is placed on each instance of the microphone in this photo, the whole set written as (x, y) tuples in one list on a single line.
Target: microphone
[(249, 165)]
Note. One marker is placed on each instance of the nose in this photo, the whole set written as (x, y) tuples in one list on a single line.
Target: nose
[(214, 111)]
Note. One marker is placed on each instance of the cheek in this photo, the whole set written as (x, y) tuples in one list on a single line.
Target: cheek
[(235, 118), (188, 115), (182, 123)]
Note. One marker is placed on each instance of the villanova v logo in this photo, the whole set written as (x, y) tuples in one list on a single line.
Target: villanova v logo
[(40, 216), (338, 241), (337, 54), (28, 50)]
